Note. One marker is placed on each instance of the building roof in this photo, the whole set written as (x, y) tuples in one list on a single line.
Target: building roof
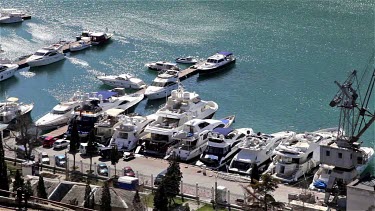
[(365, 183), (119, 198)]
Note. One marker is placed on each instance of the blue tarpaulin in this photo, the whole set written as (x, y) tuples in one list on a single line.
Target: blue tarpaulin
[(106, 94), (223, 131)]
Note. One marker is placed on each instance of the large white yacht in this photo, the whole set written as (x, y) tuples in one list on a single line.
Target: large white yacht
[(7, 71), (123, 80), (162, 65), (10, 16), (117, 98), (163, 84), (60, 114), (181, 107), (222, 146), (297, 156), (104, 128), (321, 177), (192, 138), (46, 55), (257, 149), (216, 62), (11, 108)]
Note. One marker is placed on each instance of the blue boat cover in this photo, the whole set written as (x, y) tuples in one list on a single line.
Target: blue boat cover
[(60, 156), (225, 53), (223, 131), (320, 184), (106, 94)]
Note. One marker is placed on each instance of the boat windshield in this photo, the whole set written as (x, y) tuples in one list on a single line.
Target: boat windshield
[(60, 112), (39, 54), (214, 150), (158, 84), (211, 60), (123, 135), (242, 166)]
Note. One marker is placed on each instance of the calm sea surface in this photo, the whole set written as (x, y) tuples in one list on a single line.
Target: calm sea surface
[(289, 53)]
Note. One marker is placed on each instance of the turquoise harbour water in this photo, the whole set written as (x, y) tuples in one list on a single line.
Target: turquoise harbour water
[(289, 53)]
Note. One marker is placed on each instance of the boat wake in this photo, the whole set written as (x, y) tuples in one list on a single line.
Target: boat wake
[(79, 62), (27, 74)]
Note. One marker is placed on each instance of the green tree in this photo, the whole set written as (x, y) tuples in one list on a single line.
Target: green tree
[(87, 202), (18, 181), (105, 201), (137, 202), (261, 191), (91, 147), (255, 176), (160, 198), (4, 182), (28, 191), (74, 142), (172, 180), (41, 189), (114, 156)]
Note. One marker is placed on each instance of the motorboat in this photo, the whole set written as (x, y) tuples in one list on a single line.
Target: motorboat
[(117, 98), (46, 55), (321, 177), (104, 128), (298, 155), (123, 80), (126, 134), (60, 114), (11, 108), (162, 65), (222, 146), (257, 149), (7, 71), (11, 16), (216, 62), (192, 138), (180, 107), (163, 84), (186, 60), (80, 45)]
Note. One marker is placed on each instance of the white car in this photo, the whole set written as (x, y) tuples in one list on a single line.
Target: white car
[(61, 143), (44, 158)]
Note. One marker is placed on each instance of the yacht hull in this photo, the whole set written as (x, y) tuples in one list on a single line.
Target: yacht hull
[(42, 62), (207, 71)]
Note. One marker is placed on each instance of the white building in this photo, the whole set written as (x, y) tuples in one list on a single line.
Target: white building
[(361, 194)]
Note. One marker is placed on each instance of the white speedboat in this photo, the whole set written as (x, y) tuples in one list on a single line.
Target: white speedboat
[(117, 98), (163, 84), (60, 114), (162, 65), (321, 177), (186, 60), (216, 62), (257, 149), (46, 56), (99, 38), (297, 156), (11, 16), (181, 107), (7, 71), (10, 109), (222, 146), (78, 46), (123, 80), (192, 137)]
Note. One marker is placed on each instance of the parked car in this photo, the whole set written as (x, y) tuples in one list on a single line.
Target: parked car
[(48, 141), (160, 177), (21, 153), (128, 156), (128, 171), (102, 169), (60, 160), (61, 144), (44, 158)]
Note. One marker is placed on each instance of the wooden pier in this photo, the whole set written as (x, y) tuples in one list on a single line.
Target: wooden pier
[(186, 73)]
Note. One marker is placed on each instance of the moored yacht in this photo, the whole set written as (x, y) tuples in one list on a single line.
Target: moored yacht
[(180, 107), (11, 16), (297, 156), (162, 65), (123, 80), (117, 98), (99, 38), (80, 45), (216, 62), (222, 146), (46, 56), (10, 109), (186, 60), (163, 84), (257, 149), (192, 138), (7, 71), (104, 128), (60, 114)]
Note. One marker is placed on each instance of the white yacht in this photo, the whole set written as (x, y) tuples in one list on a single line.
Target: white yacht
[(60, 114), (104, 128), (181, 107), (78, 46), (163, 84), (186, 60), (297, 156), (216, 62), (46, 55), (222, 146), (11, 108), (162, 65), (192, 138), (11, 16), (7, 71), (257, 149), (321, 177), (123, 80), (117, 98)]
